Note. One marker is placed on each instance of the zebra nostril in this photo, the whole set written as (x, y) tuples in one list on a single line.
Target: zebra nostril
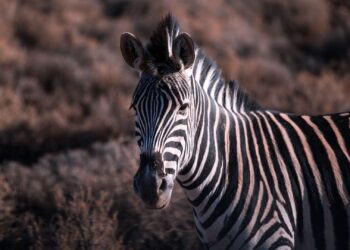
[(163, 186)]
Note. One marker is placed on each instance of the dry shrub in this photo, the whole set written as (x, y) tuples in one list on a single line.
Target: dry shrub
[(56, 58), (302, 20), (12, 109), (48, 36), (10, 54), (86, 221), (269, 83), (274, 87), (6, 207), (83, 199), (324, 94)]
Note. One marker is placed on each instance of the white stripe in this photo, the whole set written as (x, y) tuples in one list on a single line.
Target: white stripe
[(208, 79), (199, 70), (170, 43)]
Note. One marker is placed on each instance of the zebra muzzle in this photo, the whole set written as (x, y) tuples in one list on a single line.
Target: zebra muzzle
[(152, 183)]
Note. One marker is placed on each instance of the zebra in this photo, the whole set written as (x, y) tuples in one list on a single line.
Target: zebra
[(255, 178)]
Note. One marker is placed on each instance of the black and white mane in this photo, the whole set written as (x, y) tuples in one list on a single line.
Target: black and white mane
[(204, 70)]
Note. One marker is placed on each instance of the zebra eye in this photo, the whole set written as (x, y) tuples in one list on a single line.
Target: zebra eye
[(183, 109)]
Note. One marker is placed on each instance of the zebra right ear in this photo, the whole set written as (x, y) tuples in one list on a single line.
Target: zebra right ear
[(132, 51), (183, 50)]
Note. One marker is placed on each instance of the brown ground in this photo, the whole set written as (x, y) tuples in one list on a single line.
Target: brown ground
[(66, 153)]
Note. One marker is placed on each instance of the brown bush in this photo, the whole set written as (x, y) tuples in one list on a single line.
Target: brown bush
[(83, 200)]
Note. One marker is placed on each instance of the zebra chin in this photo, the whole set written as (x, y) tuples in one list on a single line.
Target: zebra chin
[(160, 204)]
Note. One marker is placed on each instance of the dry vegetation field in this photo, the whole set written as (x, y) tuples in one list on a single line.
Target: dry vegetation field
[(67, 155)]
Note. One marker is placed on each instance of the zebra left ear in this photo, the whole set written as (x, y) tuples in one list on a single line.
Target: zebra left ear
[(132, 51), (183, 50)]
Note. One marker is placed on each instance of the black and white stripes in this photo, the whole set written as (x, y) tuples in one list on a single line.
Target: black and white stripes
[(256, 179)]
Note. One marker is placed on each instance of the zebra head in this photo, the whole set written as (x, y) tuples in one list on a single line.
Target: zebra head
[(163, 104)]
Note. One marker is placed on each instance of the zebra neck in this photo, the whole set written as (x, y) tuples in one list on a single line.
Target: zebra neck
[(213, 179), (209, 170)]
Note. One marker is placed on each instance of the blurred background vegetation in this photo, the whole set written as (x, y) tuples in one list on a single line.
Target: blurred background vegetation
[(67, 155)]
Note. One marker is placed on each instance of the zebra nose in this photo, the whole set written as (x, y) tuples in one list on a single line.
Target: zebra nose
[(157, 168), (159, 185), (154, 163), (151, 182)]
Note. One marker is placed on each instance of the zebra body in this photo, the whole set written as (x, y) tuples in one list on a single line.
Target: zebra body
[(277, 178), (256, 179)]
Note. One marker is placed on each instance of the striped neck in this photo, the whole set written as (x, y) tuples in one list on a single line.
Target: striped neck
[(206, 177)]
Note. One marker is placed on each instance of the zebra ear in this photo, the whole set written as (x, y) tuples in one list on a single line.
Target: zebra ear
[(183, 50), (132, 51)]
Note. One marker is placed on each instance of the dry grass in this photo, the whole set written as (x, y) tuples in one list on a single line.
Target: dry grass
[(65, 169), (83, 199)]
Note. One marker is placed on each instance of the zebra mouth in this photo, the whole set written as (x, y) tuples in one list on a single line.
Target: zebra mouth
[(158, 206)]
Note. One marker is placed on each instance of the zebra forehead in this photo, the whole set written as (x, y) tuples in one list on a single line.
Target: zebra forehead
[(171, 86)]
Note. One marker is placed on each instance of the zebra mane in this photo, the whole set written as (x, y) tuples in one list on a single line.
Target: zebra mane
[(228, 94), (161, 41), (205, 70)]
